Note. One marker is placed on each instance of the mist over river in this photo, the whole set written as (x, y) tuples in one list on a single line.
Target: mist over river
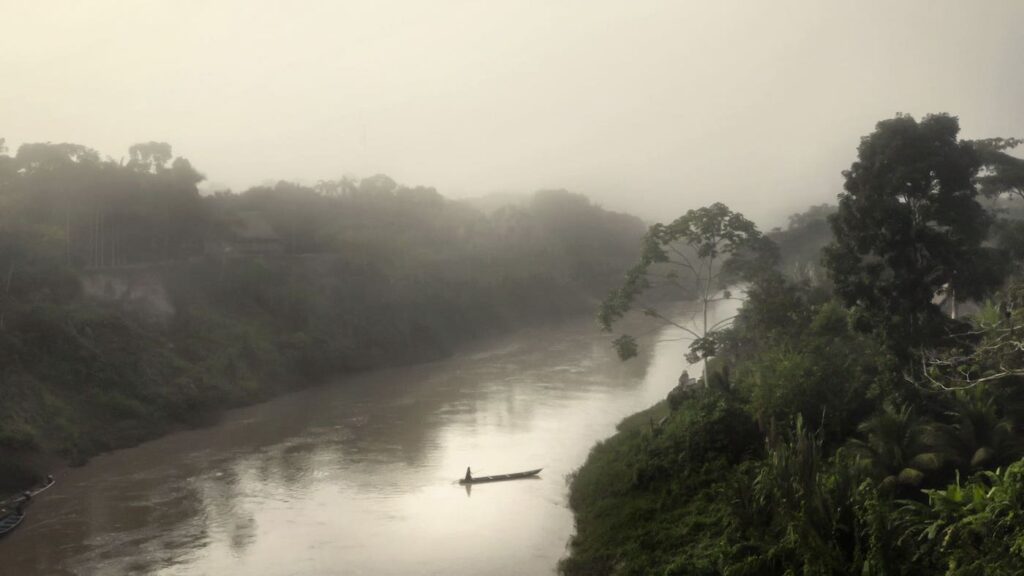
[(359, 477)]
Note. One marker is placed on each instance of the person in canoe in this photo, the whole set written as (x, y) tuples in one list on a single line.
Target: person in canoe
[(469, 476), (23, 502)]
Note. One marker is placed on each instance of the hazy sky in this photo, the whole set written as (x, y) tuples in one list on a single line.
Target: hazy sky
[(650, 107)]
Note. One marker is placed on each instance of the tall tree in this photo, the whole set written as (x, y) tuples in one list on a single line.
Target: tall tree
[(909, 224), (697, 255), (149, 156)]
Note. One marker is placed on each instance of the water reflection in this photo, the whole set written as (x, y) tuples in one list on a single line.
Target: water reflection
[(359, 478)]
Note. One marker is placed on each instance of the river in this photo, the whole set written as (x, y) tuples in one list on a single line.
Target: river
[(359, 476)]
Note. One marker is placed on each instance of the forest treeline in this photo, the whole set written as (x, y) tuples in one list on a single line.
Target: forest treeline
[(854, 421), (130, 304)]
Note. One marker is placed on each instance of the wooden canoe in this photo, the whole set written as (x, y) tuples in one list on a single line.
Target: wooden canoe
[(500, 477), (10, 521)]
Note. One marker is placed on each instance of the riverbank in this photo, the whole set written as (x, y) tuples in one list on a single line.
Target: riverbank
[(325, 480), (131, 305), (688, 490), (809, 453), (98, 373), (642, 506)]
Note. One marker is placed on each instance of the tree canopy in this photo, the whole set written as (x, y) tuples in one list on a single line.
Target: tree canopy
[(696, 255), (909, 224)]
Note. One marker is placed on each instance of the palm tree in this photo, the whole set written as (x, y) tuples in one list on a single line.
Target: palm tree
[(981, 434), (899, 447)]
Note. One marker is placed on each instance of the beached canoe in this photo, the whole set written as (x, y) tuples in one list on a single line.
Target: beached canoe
[(500, 477)]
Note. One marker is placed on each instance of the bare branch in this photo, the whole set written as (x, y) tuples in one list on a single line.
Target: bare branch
[(958, 371), (653, 313), (721, 322), (680, 253)]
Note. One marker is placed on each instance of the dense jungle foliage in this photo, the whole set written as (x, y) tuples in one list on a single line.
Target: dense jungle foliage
[(130, 304), (848, 425)]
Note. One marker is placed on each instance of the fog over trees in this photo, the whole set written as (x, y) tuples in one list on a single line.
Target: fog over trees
[(272, 275), (651, 110), (127, 294)]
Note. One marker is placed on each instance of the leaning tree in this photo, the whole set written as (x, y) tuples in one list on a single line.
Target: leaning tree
[(697, 256)]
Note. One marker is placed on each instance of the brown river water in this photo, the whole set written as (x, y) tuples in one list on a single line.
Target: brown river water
[(359, 477)]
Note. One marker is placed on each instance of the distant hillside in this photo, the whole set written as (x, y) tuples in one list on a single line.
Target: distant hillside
[(491, 203)]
